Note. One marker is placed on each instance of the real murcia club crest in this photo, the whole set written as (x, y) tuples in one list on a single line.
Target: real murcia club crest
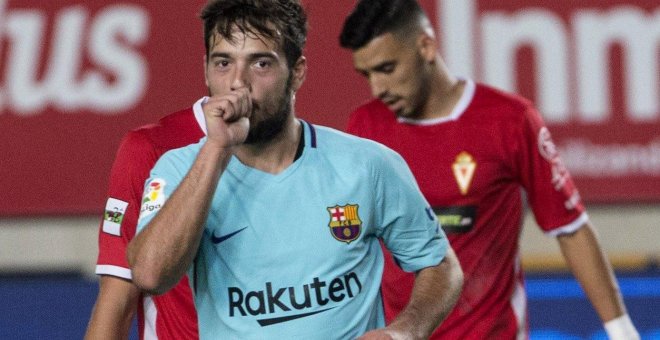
[(345, 224), (463, 168)]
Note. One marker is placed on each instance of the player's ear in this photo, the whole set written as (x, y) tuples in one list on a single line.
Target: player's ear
[(427, 47), (298, 73)]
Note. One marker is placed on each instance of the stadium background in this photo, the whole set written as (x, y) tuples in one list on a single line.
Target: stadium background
[(76, 75)]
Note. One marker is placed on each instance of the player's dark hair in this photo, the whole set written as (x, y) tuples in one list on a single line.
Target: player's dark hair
[(372, 18), (282, 21)]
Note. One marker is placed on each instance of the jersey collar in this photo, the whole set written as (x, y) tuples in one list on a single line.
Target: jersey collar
[(457, 112), (199, 113)]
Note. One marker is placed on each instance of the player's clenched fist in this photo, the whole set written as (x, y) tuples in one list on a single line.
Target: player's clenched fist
[(227, 117)]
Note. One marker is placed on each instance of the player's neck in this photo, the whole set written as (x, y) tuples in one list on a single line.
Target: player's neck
[(275, 156), (446, 91)]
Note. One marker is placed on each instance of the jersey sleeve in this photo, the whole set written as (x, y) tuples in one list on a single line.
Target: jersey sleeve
[(551, 193), (135, 157), (408, 227), (163, 180)]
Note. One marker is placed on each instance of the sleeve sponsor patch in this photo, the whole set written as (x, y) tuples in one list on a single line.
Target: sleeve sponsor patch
[(456, 219), (113, 216), (154, 197), (548, 150), (547, 147)]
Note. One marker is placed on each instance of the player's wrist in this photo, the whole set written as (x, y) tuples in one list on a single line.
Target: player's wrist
[(621, 328), (218, 147)]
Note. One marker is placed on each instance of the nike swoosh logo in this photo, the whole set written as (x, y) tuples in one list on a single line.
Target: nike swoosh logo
[(220, 239), (272, 321)]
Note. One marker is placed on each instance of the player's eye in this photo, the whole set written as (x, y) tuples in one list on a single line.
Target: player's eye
[(263, 63), (221, 63), (387, 68)]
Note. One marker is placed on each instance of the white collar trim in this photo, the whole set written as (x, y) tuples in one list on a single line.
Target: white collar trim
[(457, 112), (199, 113)]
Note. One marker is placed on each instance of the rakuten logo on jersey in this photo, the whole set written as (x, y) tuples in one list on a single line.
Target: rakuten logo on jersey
[(572, 55), (112, 83), (294, 301)]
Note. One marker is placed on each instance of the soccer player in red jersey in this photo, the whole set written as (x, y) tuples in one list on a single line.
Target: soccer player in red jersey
[(472, 149), (168, 316)]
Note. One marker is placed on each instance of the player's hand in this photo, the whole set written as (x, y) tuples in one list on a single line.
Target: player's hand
[(227, 117)]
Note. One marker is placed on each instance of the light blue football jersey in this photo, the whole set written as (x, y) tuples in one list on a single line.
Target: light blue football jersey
[(296, 255)]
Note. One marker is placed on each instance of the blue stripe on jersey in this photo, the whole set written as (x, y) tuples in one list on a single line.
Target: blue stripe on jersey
[(312, 133)]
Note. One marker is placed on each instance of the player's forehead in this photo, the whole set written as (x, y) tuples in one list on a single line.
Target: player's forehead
[(382, 49), (245, 41)]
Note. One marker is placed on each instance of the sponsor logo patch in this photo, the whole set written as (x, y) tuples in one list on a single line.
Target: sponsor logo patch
[(345, 224), (463, 169), (113, 216), (154, 197), (456, 219), (560, 174)]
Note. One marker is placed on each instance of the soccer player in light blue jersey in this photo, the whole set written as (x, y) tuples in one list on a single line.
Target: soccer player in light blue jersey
[(276, 221)]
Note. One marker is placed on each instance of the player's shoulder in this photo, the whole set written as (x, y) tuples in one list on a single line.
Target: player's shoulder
[(145, 144), (487, 95), (179, 159), (501, 104), (171, 131), (492, 94), (350, 147), (333, 138), (140, 148), (173, 124)]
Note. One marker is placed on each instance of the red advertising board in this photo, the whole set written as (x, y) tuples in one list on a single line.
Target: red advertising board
[(75, 76)]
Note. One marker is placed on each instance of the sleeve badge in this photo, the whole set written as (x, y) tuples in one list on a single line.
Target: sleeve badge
[(113, 216)]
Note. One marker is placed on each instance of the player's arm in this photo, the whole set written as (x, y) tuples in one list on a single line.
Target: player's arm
[(554, 198), (114, 309), (434, 295), (117, 298), (590, 266), (160, 255), (414, 237)]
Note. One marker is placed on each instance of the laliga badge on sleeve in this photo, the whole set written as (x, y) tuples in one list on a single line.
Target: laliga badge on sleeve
[(154, 197), (113, 216)]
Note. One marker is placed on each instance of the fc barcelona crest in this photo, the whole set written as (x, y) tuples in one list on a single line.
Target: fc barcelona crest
[(345, 224)]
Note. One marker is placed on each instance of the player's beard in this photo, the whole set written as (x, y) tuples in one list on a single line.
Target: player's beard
[(418, 97), (270, 125)]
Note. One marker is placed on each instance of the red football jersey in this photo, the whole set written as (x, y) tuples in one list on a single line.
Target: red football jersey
[(171, 315), (471, 167)]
